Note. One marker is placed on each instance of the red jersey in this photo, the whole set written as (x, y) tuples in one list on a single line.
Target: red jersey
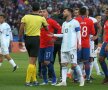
[(106, 31), (45, 40), (87, 29)]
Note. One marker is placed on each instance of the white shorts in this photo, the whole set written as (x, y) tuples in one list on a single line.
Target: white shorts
[(92, 47), (4, 47), (69, 57)]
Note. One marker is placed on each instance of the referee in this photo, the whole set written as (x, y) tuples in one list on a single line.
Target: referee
[(30, 26)]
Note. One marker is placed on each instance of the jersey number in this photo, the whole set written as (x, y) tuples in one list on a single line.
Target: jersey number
[(72, 56), (84, 31), (66, 30), (48, 54)]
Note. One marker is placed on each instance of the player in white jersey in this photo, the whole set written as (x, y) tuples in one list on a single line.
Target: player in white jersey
[(93, 54), (5, 39), (92, 47), (71, 41)]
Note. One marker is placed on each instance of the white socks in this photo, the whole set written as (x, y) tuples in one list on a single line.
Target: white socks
[(70, 71), (91, 67), (96, 66), (79, 71), (64, 74), (0, 64), (12, 62), (80, 76), (81, 66)]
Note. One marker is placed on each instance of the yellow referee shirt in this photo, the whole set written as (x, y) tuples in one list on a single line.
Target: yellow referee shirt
[(33, 24)]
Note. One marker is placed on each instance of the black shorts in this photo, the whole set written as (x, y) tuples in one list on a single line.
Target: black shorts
[(32, 45)]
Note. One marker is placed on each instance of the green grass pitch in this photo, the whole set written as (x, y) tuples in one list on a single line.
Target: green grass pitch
[(15, 80)]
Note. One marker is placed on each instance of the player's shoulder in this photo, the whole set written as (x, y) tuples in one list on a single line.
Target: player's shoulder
[(77, 18), (51, 20), (25, 16), (93, 19), (75, 21), (64, 23), (28, 15), (106, 22), (5, 24), (88, 20)]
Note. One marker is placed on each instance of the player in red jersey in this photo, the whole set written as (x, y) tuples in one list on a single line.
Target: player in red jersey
[(104, 50), (87, 29), (47, 48)]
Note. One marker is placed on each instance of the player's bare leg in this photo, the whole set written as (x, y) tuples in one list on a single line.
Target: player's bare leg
[(11, 61)]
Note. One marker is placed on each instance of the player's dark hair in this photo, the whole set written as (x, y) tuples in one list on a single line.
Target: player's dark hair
[(3, 15), (44, 8), (76, 9), (83, 10), (69, 9), (35, 6), (91, 12)]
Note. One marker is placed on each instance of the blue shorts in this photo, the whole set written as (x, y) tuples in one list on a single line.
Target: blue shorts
[(83, 54), (46, 54), (103, 53)]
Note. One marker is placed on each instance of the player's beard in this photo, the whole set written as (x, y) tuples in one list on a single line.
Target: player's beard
[(65, 17)]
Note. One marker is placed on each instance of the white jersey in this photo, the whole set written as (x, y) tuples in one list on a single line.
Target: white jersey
[(5, 38), (69, 30), (5, 31), (92, 53), (94, 21)]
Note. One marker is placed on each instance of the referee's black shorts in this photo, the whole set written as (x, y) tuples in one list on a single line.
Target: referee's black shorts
[(32, 45)]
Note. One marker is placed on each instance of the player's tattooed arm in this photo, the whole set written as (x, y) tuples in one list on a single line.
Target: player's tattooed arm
[(21, 31)]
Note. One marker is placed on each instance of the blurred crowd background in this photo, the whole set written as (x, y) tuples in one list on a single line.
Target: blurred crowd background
[(15, 9)]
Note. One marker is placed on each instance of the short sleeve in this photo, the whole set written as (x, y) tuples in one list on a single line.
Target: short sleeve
[(8, 27), (23, 20), (77, 26)]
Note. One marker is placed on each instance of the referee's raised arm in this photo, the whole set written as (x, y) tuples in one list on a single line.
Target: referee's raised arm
[(30, 26)]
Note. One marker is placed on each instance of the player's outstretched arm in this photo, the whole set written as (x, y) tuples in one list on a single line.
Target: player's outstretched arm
[(55, 35), (58, 35)]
